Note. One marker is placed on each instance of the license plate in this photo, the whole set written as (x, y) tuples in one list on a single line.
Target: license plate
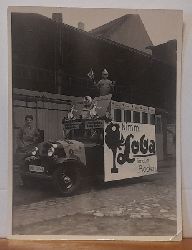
[(34, 168)]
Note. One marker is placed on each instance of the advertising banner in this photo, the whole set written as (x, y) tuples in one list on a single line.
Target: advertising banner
[(129, 150)]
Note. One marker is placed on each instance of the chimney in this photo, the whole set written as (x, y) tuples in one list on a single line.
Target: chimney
[(81, 26), (57, 17)]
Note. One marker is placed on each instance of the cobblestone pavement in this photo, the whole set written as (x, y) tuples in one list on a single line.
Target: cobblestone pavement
[(143, 207)]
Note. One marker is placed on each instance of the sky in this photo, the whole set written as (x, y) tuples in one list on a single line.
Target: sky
[(161, 25)]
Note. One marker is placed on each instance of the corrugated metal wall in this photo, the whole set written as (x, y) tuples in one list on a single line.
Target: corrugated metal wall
[(48, 110)]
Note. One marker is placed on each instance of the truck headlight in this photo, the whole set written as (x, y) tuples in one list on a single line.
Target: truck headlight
[(51, 151), (34, 152)]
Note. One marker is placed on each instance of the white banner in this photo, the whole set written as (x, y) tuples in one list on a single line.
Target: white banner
[(129, 150)]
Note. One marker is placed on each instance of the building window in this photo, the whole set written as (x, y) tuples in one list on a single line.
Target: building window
[(158, 125), (152, 119), (136, 117), (117, 115), (127, 116), (144, 118)]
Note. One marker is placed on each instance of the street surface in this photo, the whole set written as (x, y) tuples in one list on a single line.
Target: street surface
[(144, 207)]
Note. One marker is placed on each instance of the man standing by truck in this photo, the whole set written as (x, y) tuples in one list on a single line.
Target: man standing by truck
[(28, 136)]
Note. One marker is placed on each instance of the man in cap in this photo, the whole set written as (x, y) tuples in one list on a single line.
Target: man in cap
[(105, 85), (28, 136)]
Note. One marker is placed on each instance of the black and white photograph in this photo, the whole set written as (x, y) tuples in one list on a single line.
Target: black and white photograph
[(95, 102)]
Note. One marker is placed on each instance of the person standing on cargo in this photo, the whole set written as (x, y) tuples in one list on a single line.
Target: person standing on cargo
[(105, 85)]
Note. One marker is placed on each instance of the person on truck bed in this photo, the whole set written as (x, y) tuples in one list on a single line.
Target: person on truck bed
[(105, 85)]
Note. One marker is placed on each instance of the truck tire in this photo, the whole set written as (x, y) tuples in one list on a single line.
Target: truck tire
[(66, 179)]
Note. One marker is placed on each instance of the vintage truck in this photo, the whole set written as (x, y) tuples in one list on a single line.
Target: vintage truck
[(102, 139)]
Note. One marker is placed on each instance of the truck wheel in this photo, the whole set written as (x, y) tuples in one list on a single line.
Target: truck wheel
[(66, 179)]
